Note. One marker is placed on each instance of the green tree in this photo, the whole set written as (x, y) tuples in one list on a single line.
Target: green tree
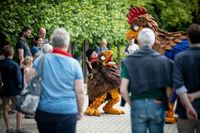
[(91, 19)]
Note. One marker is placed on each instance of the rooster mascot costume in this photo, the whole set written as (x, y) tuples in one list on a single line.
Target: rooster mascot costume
[(104, 79)]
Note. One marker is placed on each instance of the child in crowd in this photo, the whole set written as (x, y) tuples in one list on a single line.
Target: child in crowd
[(25, 68), (26, 64), (12, 86)]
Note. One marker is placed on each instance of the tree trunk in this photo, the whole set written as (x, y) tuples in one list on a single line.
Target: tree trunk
[(118, 55), (84, 48)]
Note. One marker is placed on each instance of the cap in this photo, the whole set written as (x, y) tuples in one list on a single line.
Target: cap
[(89, 52)]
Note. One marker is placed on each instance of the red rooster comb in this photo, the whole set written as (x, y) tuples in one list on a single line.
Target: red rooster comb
[(135, 12)]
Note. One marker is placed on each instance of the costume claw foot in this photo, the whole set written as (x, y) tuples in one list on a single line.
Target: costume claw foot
[(169, 118), (113, 111), (169, 115), (92, 112)]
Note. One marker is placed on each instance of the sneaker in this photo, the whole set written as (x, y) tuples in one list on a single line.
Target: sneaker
[(21, 130), (9, 130)]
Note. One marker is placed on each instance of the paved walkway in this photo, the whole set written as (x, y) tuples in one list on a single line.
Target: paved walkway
[(91, 124)]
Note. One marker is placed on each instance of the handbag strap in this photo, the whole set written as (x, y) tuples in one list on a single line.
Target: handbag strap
[(41, 68)]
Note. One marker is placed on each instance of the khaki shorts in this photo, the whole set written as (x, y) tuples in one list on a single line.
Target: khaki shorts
[(6, 100), (188, 126)]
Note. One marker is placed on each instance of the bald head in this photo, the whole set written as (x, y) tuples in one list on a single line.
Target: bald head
[(42, 33)]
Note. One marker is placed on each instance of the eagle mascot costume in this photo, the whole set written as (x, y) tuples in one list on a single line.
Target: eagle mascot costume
[(104, 79), (167, 43)]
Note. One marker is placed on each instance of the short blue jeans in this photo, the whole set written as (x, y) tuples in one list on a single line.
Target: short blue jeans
[(55, 123), (147, 114)]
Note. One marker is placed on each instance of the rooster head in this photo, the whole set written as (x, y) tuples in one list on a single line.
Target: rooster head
[(138, 18), (136, 21), (106, 58)]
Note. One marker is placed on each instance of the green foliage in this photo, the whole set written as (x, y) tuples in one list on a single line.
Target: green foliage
[(85, 20), (122, 55), (90, 19), (174, 14)]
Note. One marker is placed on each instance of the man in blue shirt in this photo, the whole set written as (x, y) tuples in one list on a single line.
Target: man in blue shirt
[(187, 83)]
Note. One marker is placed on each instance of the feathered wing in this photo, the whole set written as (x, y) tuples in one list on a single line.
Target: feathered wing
[(167, 40), (164, 40), (112, 76), (104, 79)]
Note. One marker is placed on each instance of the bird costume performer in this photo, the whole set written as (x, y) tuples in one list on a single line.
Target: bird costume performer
[(103, 80), (167, 43)]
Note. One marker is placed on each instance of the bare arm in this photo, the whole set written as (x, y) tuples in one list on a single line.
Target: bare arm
[(194, 95), (191, 113), (30, 74), (79, 86), (21, 54), (169, 92), (124, 90)]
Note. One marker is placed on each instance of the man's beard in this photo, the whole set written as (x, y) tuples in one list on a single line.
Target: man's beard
[(28, 37)]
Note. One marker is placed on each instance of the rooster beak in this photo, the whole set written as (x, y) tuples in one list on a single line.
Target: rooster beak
[(109, 55), (131, 34), (109, 58)]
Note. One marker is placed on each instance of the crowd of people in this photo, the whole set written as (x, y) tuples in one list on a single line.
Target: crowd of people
[(62, 96), (145, 73)]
